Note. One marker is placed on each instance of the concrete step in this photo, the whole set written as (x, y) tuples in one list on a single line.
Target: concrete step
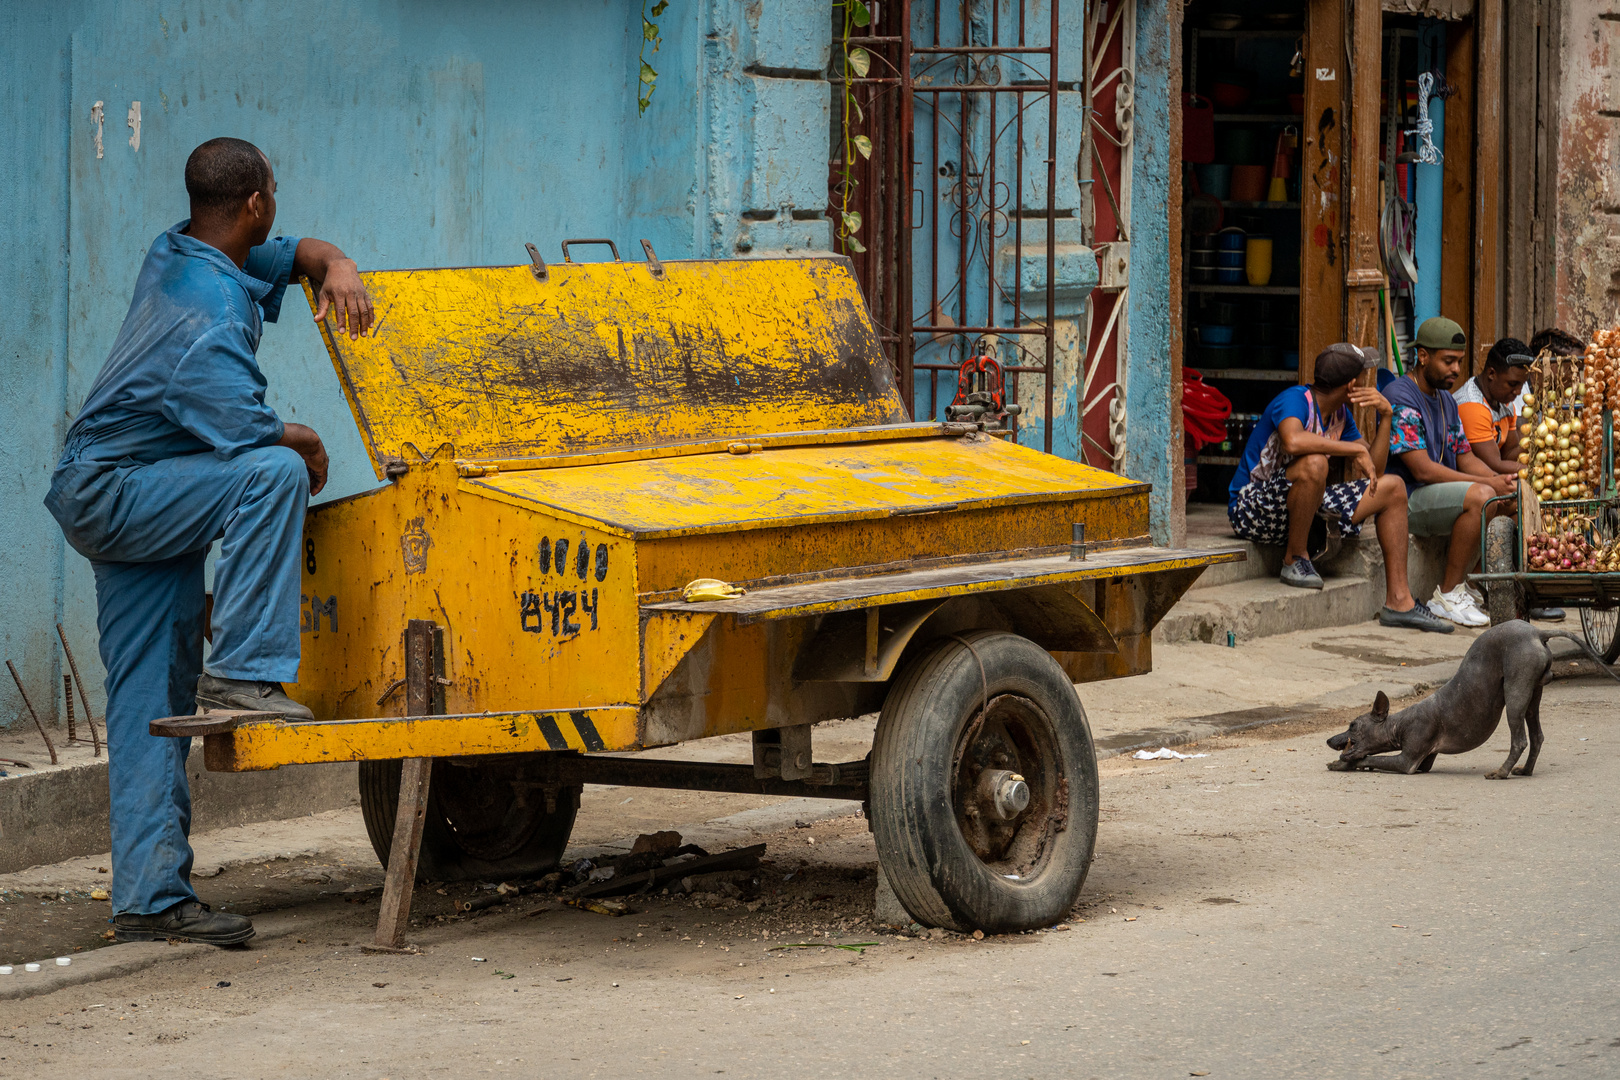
[(1256, 565), (1208, 528), (1357, 559), (1263, 607), (54, 812)]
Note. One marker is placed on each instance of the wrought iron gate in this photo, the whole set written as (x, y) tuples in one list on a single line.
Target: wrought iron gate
[(958, 219)]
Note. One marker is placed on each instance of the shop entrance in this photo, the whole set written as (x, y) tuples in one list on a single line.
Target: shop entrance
[(1242, 117), (1329, 164)]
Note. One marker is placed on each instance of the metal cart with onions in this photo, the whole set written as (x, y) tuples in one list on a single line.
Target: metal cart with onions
[(1518, 577)]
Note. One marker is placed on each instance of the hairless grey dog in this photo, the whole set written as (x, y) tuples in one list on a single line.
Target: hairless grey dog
[(1505, 667)]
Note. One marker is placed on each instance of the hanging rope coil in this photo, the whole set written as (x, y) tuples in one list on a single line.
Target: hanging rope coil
[(1427, 153)]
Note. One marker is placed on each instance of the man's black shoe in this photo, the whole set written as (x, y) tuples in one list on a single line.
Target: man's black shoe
[(189, 920), (250, 695)]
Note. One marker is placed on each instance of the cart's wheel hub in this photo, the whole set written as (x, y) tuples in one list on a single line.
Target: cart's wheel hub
[(1009, 793), (479, 809), (1002, 794)]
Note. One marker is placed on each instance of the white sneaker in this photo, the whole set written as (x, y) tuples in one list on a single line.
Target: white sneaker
[(1458, 607), (1475, 595)]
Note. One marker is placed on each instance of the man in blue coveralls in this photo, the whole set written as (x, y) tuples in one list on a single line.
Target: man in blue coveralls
[(175, 448)]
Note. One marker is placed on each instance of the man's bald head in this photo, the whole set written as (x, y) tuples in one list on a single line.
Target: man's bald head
[(220, 176)]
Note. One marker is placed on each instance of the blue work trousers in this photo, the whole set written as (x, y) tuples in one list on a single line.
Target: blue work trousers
[(148, 551)]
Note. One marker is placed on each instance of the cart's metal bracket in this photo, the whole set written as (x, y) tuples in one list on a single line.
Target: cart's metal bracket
[(861, 646), (540, 270), (783, 752), (212, 722), (844, 780)]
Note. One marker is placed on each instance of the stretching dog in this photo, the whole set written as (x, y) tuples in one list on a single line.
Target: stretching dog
[(1503, 669)]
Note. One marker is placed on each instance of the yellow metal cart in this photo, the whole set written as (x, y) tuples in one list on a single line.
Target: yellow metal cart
[(566, 447)]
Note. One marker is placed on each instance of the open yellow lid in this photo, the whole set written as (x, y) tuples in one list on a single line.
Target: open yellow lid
[(606, 355)]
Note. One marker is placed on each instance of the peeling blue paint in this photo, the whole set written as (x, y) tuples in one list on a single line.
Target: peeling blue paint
[(409, 132), (1152, 418)]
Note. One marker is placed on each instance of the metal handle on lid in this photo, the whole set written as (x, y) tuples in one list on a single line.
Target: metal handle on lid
[(541, 273), (656, 267), (611, 247)]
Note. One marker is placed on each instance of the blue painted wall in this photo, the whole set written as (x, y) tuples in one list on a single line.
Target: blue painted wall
[(409, 132), (33, 337), (1430, 182)]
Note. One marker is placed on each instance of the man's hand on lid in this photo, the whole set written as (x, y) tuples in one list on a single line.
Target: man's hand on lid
[(338, 289)]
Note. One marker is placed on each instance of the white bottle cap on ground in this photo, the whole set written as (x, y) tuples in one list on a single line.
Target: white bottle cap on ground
[(5, 969), (63, 961), (30, 967)]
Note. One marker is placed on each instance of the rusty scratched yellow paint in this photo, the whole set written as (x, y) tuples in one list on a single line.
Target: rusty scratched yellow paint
[(518, 635), (263, 746), (601, 355)]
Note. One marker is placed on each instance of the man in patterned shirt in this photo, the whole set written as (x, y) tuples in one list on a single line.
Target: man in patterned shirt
[(1447, 486), (1283, 492)]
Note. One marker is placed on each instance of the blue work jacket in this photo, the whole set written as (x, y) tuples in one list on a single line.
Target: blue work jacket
[(182, 377)]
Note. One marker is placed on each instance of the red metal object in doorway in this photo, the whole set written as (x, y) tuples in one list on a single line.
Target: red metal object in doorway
[(981, 396), (981, 375)]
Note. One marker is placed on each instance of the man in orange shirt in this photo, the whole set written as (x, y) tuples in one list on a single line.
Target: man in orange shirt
[(1488, 405)]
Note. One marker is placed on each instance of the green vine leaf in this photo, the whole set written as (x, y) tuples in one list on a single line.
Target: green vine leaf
[(647, 75), (857, 62)]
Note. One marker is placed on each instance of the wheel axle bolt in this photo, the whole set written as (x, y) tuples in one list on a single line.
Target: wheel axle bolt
[(1004, 794)]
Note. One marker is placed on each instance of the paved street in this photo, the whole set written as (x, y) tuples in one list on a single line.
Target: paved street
[(1250, 914)]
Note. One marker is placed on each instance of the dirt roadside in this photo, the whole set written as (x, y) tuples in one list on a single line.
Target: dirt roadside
[(69, 919), (65, 917), (1203, 863)]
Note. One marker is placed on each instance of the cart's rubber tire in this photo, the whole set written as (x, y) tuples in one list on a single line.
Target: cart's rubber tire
[(1504, 600), (928, 755), (475, 828)]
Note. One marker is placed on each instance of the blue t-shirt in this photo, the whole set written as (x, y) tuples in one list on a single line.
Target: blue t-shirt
[(182, 377), (1264, 455)]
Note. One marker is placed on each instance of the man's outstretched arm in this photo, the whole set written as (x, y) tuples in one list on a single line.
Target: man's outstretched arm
[(336, 281)]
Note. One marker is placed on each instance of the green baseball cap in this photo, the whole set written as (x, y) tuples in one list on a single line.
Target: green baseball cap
[(1440, 333)]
